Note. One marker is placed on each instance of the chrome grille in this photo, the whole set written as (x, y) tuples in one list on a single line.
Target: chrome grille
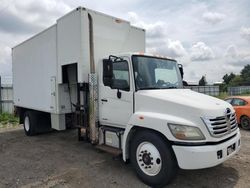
[(222, 125)]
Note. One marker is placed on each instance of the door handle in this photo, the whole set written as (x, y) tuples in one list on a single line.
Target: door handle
[(104, 100)]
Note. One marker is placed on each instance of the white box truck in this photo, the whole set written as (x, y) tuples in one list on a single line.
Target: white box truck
[(89, 71)]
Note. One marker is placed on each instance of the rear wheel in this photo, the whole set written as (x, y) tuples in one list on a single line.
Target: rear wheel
[(30, 121), (245, 122), (153, 159)]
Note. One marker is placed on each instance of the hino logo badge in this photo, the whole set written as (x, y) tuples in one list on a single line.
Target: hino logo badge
[(227, 116)]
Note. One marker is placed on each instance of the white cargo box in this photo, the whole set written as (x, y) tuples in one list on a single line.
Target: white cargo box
[(38, 61)]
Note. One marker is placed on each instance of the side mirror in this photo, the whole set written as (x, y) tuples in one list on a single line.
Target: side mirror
[(181, 70), (107, 72)]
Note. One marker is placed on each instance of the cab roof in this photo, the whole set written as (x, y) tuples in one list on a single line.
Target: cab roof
[(145, 54)]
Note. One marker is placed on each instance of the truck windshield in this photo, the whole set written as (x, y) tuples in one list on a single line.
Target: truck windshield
[(155, 73)]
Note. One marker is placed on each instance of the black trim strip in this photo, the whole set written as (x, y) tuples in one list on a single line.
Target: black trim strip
[(133, 102)]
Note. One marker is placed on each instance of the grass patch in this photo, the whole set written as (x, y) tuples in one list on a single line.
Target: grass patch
[(8, 120), (222, 95)]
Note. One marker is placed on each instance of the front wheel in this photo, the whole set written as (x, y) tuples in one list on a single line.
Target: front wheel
[(153, 159), (245, 122)]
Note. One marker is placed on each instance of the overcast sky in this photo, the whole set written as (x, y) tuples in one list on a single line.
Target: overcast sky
[(208, 37)]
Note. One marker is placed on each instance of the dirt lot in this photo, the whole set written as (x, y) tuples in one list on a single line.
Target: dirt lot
[(57, 159)]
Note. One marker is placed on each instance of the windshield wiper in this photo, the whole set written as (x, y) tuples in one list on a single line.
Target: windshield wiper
[(171, 87), (150, 88), (145, 88)]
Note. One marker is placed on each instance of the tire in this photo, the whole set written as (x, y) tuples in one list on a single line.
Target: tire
[(29, 123), (245, 122), (153, 159)]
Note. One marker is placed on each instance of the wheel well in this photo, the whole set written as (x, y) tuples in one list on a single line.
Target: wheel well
[(135, 130), (19, 111)]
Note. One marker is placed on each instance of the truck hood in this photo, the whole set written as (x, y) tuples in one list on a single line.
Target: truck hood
[(183, 103)]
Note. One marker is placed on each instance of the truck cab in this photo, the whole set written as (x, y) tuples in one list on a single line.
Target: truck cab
[(130, 75), (143, 94)]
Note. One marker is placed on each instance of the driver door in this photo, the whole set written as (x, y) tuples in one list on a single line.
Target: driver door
[(116, 105)]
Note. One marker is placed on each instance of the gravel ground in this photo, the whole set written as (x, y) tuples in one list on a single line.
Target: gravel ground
[(57, 159)]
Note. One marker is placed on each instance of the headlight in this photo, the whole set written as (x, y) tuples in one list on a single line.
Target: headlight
[(184, 132)]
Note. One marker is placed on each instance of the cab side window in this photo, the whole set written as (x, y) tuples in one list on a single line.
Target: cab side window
[(116, 75), (238, 102), (121, 76), (120, 71)]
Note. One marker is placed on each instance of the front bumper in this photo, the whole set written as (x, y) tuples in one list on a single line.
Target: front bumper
[(198, 157)]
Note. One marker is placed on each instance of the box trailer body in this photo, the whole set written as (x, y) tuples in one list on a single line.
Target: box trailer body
[(38, 62), (89, 70)]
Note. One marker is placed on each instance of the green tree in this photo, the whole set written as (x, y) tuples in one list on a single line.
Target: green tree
[(227, 78), (203, 81), (245, 75), (236, 81)]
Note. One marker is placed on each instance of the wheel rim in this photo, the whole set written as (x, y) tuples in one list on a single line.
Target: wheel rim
[(148, 158), (27, 123), (245, 123)]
